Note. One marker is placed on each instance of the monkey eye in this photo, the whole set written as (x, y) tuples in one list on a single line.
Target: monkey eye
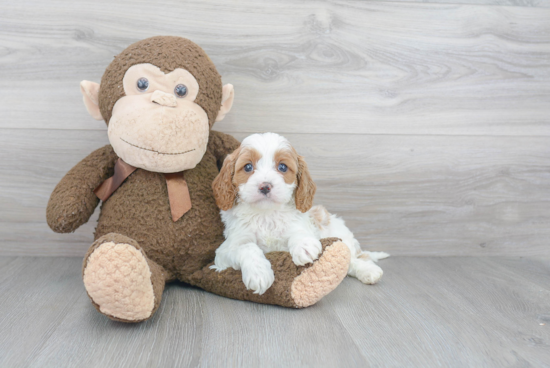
[(142, 84), (180, 90), (282, 168), (248, 167)]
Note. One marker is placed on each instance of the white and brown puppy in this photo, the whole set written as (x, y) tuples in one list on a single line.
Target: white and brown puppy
[(265, 192)]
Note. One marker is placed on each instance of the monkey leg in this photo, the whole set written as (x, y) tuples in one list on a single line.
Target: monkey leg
[(121, 282), (294, 286)]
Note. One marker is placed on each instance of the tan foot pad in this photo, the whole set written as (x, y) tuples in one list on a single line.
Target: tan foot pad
[(118, 279), (322, 277)]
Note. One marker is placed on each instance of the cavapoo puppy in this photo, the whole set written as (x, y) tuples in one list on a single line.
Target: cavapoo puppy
[(265, 194)]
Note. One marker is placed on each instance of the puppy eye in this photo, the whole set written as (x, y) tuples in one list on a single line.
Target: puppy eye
[(248, 167), (282, 168), (142, 84), (180, 90)]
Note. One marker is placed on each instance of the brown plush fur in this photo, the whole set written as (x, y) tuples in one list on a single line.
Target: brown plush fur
[(140, 209), (168, 53), (73, 200), (229, 282), (138, 212)]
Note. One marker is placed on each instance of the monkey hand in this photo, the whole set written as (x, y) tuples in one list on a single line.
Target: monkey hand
[(73, 200)]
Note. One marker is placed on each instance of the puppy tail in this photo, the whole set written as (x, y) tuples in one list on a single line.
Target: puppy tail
[(375, 256), (320, 216)]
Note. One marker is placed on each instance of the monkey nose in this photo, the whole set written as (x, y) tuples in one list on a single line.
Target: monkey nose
[(265, 188), (164, 99)]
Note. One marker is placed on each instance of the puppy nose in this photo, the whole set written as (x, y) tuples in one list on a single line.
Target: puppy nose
[(265, 188), (164, 99)]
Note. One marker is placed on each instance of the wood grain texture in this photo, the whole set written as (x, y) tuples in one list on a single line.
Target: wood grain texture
[(36, 296), (317, 66), (425, 125), (413, 195), (529, 3), (451, 312)]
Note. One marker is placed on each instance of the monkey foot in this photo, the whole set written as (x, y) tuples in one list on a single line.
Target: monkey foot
[(322, 277), (119, 280)]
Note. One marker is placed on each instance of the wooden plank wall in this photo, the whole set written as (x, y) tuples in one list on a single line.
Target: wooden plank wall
[(425, 125)]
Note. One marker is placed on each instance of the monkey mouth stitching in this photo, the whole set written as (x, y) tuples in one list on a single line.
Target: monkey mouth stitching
[(152, 150)]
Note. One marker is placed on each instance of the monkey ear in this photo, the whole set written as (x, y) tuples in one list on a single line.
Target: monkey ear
[(225, 192), (90, 95), (228, 95)]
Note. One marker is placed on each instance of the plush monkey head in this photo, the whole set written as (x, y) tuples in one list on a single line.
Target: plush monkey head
[(159, 98)]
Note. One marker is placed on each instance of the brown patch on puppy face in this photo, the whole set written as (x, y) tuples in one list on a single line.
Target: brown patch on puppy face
[(248, 155), (289, 157), (297, 173), (232, 174)]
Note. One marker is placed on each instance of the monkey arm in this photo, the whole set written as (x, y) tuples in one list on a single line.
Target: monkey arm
[(73, 200), (221, 144)]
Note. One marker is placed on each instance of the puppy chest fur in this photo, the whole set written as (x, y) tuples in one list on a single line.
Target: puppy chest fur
[(270, 229)]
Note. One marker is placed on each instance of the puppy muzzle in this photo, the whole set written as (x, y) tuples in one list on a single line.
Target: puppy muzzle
[(265, 188)]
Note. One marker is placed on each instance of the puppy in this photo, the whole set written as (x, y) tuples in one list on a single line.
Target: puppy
[(265, 194)]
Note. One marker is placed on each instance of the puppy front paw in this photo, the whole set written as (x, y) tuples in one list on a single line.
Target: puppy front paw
[(217, 268), (369, 272), (258, 275), (305, 250)]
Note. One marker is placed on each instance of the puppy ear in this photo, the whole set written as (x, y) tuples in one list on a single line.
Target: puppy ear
[(224, 190), (305, 190)]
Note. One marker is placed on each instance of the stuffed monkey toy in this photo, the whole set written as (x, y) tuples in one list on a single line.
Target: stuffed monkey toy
[(159, 221)]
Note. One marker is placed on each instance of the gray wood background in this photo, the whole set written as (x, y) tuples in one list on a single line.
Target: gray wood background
[(426, 125)]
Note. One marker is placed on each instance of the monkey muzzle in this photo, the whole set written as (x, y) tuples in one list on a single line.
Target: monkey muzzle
[(167, 135), (164, 99)]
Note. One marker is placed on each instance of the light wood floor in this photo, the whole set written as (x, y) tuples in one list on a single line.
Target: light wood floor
[(447, 312)]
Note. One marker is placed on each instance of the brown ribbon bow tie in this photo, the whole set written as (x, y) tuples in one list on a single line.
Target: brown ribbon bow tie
[(178, 191)]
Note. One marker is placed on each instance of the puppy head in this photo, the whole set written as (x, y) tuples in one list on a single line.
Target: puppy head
[(265, 172)]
